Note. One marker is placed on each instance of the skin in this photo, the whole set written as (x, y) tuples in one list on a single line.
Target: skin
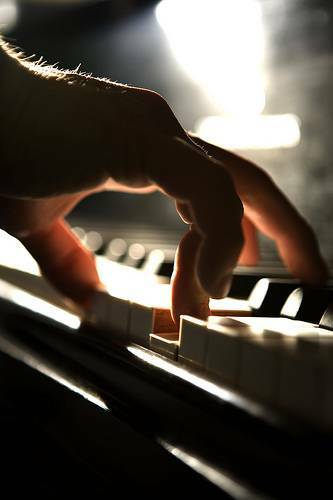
[(76, 135)]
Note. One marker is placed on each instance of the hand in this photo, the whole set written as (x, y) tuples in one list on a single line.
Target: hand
[(75, 135)]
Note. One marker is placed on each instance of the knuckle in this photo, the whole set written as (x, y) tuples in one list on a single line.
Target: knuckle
[(154, 100), (161, 114), (260, 177)]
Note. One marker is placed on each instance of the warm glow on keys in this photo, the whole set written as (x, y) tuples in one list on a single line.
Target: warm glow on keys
[(229, 307), (134, 308), (233, 352), (124, 281), (246, 356), (133, 305), (132, 314), (274, 359), (283, 326)]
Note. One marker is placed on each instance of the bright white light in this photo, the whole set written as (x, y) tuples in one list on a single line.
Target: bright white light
[(8, 14), (39, 306), (229, 304), (14, 255), (220, 44), (251, 132), (132, 284)]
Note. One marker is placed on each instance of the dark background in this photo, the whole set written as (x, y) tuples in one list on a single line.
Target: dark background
[(124, 41)]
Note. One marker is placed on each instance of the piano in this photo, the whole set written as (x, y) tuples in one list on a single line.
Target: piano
[(117, 399), (238, 406)]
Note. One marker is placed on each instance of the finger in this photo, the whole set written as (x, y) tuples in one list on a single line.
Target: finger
[(64, 261), (112, 185), (184, 212), (190, 176), (273, 214), (188, 297), (250, 251)]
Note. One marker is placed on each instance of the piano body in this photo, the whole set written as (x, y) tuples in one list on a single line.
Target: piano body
[(239, 406)]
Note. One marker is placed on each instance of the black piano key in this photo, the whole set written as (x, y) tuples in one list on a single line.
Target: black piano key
[(269, 295), (242, 285), (245, 279), (307, 304), (160, 261), (166, 269), (327, 318)]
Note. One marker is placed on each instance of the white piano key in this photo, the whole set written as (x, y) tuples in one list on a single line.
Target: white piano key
[(110, 315), (301, 386), (141, 324), (223, 352), (145, 320), (283, 326), (260, 362), (262, 353), (232, 322), (320, 342), (230, 307), (165, 344), (243, 355), (119, 316), (193, 340)]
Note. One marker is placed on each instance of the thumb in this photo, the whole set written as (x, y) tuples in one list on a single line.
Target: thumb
[(64, 261)]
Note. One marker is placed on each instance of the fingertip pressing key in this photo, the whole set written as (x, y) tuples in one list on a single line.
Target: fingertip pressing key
[(222, 287)]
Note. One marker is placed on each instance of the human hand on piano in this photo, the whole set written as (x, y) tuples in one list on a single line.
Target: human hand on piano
[(79, 135)]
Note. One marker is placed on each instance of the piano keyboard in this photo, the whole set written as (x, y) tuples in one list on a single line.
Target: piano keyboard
[(284, 361), (266, 350), (274, 345)]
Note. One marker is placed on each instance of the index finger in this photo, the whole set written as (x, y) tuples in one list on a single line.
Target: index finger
[(273, 214), (187, 174)]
